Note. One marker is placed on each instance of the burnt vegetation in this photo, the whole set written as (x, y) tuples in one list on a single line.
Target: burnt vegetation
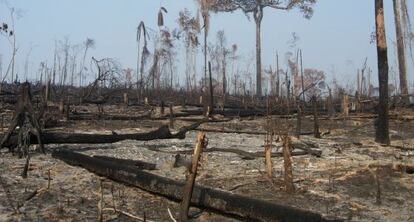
[(229, 139)]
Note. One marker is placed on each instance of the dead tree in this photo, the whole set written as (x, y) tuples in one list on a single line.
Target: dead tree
[(401, 53), (24, 111), (268, 154), (316, 131), (211, 110), (256, 7), (287, 161), (203, 197), (381, 124), (23, 117)]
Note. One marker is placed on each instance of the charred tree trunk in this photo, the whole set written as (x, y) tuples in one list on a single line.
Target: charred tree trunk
[(203, 197), (401, 53), (24, 112), (382, 132), (287, 162), (205, 18), (277, 77), (210, 112), (78, 138), (316, 131), (224, 83), (299, 120)]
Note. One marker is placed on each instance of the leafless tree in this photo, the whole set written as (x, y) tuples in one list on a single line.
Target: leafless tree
[(10, 34), (88, 44), (204, 7), (1, 66), (191, 28), (407, 28), (65, 47), (401, 52), (142, 55)]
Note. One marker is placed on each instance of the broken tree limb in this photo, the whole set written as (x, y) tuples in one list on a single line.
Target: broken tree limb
[(189, 186), (203, 197)]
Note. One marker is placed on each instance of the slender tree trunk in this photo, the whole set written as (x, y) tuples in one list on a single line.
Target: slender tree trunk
[(382, 133), (258, 16), (211, 91), (14, 46), (301, 76), (83, 66), (277, 76), (54, 65), (139, 84), (224, 78), (171, 71), (401, 53), (205, 52)]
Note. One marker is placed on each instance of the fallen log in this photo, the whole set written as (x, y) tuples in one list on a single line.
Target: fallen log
[(82, 117), (227, 113), (138, 164), (203, 197), (242, 131), (243, 154), (82, 138)]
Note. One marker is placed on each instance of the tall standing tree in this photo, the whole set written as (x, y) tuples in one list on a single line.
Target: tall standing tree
[(407, 28), (224, 53), (89, 43), (191, 28), (401, 52), (381, 128), (256, 7), (142, 56), (204, 9)]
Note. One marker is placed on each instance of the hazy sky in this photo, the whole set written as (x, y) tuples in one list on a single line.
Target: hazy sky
[(336, 39)]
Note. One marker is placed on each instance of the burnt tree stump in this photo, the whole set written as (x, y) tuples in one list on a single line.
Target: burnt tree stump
[(24, 115)]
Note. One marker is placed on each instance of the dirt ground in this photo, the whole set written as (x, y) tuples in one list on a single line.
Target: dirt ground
[(340, 184)]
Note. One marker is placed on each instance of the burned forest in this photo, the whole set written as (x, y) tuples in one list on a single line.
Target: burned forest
[(206, 110)]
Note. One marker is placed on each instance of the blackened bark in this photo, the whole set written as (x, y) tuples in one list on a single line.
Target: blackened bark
[(203, 197), (382, 133)]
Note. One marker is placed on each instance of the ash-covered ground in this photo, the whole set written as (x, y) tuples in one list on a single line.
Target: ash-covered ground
[(340, 184)]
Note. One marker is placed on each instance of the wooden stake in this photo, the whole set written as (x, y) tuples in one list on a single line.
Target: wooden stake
[(268, 155), (48, 179), (171, 116), (162, 107), (345, 103), (290, 187), (126, 99), (299, 120), (316, 131), (100, 202), (188, 188)]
